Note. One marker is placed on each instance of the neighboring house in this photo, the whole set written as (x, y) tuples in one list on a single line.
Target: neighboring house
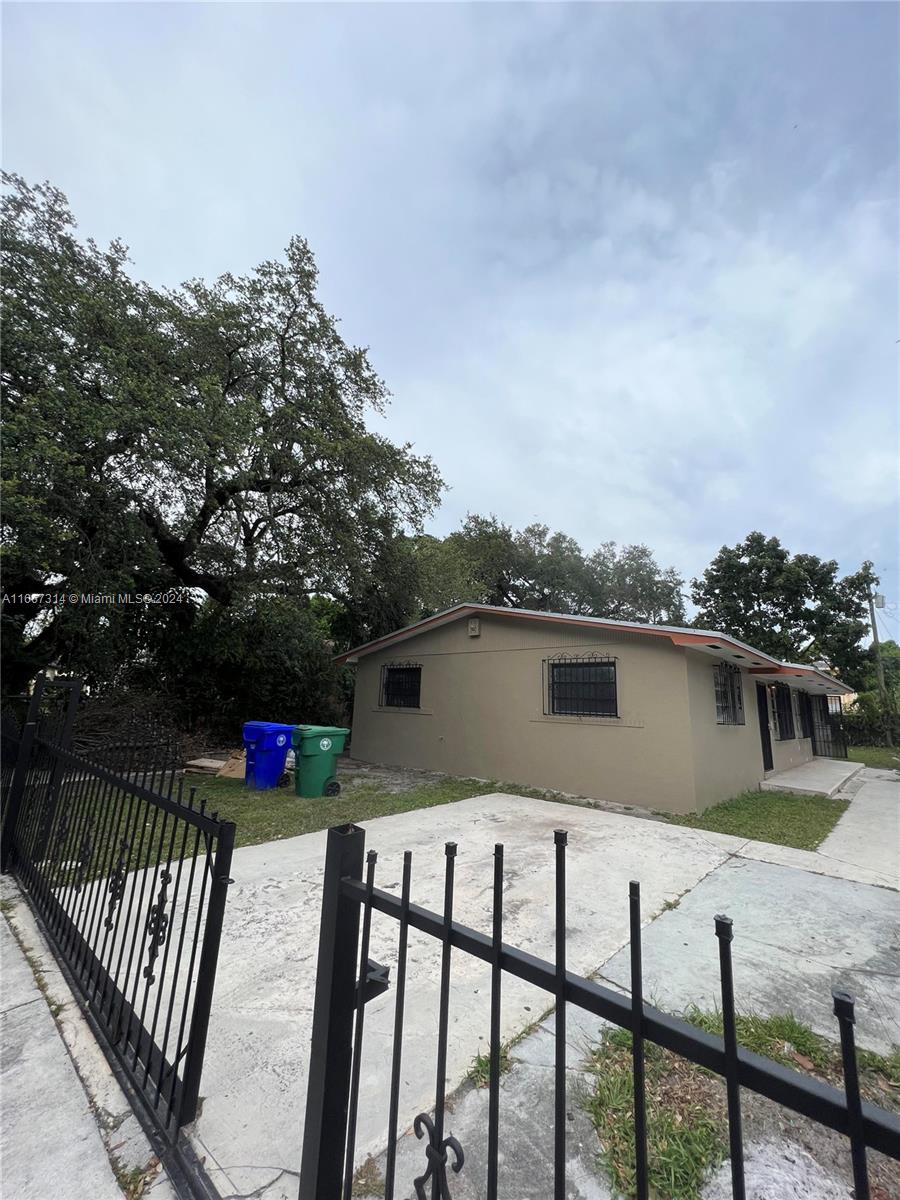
[(649, 715)]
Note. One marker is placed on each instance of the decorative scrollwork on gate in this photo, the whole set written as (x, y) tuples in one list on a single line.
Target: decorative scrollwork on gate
[(436, 1155), (157, 925), (116, 884)]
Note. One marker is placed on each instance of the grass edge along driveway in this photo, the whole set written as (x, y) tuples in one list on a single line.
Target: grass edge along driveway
[(686, 1107), (785, 818), (277, 813), (265, 816)]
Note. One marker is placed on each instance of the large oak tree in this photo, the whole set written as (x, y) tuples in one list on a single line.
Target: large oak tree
[(215, 436)]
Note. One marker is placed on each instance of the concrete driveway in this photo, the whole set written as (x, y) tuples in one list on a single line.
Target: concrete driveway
[(825, 930)]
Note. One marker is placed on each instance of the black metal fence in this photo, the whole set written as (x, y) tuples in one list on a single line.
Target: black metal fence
[(828, 737), (347, 979), (129, 877)]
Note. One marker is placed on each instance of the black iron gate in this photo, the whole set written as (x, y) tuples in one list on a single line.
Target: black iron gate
[(347, 979), (128, 876), (828, 737)]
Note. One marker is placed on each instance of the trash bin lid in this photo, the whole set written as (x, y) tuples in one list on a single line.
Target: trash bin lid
[(253, 729), (305, 731)]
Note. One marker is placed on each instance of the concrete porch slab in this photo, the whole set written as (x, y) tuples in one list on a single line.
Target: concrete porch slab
[(819, 777)]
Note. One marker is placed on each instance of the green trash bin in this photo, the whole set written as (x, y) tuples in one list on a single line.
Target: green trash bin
[(316, 748)]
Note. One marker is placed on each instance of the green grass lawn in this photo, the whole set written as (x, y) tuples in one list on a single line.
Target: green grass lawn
[(780, 817), (277, 813), (875, 756)]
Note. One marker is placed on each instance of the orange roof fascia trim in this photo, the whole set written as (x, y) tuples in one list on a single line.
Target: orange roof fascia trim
[(679, 639)]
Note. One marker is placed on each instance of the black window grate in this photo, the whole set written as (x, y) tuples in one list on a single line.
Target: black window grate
[(401, 685), (580, 687), (784, 712), (806, 720), (729, 695)]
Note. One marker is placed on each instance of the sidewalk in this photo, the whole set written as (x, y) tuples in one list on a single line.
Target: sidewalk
[(50, 1144), (869, 831)]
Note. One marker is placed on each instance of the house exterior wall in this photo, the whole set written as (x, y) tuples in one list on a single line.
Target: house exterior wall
[(727, 758), (482, 713)]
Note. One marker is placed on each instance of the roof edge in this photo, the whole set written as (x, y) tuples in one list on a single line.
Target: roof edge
[(679, 635)]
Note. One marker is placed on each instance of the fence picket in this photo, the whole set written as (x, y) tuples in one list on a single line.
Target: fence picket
[(70, 824)]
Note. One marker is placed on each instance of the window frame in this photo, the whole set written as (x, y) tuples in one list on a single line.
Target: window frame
[(728, 688), (783, 707), (385, 692), (563, 706)]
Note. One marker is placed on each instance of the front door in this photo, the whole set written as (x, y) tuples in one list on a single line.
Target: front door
[(765, 734)]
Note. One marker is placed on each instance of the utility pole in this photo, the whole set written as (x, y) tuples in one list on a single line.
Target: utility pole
[(879, 665)]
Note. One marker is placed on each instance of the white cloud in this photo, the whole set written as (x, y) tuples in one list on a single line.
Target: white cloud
[(629, 269)]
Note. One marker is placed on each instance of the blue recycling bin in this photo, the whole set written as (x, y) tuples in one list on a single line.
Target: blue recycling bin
[(266, 744)]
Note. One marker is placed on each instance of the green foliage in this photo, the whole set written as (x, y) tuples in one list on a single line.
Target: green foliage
[(487, 562), (890, 661), (868, 722), (793, 607), (687, 1123), (880, 757), (785, 818), (788, 1041), (213, 437), (686, 1135), (278, 813), (480, 1070), (263, 658), (873, 719), (780, 1037)]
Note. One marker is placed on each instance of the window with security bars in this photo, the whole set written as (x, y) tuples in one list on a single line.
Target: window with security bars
[(582, 687), (729, 695), (784, 712), (401, 685), (805, 705)]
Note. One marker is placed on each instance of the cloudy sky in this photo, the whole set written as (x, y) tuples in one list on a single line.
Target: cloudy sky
[(628, 269)]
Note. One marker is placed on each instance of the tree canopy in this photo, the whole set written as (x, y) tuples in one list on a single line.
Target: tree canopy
[(488, 562), (212, 437), (795, 607)]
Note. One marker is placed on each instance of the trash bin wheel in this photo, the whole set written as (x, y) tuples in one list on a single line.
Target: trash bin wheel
[(332, 788), (284, 779)]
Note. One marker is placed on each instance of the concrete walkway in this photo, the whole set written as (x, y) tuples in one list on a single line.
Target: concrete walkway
[(869, 831), (50, 1145), (804, 920), (818, 777)]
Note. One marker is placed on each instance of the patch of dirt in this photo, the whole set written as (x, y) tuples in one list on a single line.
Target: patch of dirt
[(368, 1180), (353, 773)]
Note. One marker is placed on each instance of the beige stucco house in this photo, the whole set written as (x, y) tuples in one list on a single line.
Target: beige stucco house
[(649, 715)]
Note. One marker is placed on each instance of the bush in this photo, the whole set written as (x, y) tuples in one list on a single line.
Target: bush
[(266, 659), (867, 722)]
